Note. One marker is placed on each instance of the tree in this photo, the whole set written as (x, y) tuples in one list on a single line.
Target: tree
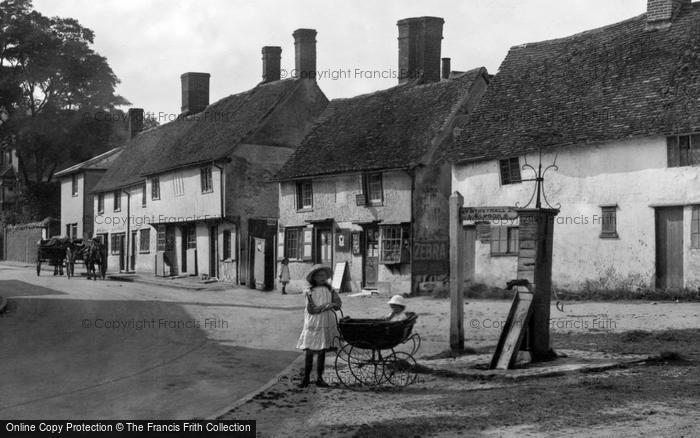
[(51, 85)]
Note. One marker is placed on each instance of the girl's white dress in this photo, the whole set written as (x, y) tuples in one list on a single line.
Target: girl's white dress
[(319, 329)]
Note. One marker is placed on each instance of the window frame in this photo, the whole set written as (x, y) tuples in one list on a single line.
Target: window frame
[(74, 185), (117, 201), (191, 236), (113, 244), (395, 234), (510, 165), (508, 238), (695, 227), (298, 253), (147, 249), (206, 179), (226, 246), (100, 203), (608, 233), (367, 185), (155, 188), (301, 198), (144, 193), (682, 155), (161, 243)]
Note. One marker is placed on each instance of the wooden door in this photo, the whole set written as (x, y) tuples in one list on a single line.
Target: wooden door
[(669, 248), (371, 257), (324, 247), (213, 253), (132, 250), (469, 254), (184, 231)]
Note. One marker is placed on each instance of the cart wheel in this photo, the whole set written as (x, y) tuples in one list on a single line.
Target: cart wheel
[(38, 268), (400, 369), (366, 366), (342, 368)]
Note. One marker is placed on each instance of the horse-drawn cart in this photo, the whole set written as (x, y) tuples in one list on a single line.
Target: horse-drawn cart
[(60, 251)]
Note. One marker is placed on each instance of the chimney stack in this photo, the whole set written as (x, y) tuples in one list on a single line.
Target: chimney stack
[(420, 41), (661, 13), (446, 68), (195, 92), (271, 56), (135, 118), (305, 53)]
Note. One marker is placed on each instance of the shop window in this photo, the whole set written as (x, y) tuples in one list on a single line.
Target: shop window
[(504, 240), (293, 243), (510, 171), (393, 244)]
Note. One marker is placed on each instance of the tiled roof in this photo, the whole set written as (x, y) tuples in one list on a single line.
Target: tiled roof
[(102, 161), (388, 129), (616, 82), (207, 136)]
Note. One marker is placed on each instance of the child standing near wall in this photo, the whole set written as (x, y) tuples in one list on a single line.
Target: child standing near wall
[(320, 327), (284, 275)]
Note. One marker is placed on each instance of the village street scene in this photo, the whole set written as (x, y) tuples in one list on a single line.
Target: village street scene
[(354, 220)]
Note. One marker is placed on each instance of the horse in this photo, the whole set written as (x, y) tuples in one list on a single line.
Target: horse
[(92, 255)]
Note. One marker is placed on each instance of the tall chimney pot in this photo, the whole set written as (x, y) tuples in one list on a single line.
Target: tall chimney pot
[(195, 92), (305, 53), (135, 118), (446, 68), (661, 13), (420, 41), (271, 56)]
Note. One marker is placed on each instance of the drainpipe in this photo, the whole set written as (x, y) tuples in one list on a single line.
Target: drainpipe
[(128, 227), (223, 210)]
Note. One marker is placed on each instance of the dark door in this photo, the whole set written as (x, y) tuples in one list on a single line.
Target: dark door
[(371, 257), (132, 250), (122, 252), (213, 258), (469, 253), (170, 249), (669, 247), (265, 229), (183, 248), (323, 253)]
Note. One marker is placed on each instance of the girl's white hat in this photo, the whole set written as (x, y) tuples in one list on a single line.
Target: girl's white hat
[(315, 268), (398, 300)]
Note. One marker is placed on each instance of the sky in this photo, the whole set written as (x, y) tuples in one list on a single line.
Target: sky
[(150, 43)]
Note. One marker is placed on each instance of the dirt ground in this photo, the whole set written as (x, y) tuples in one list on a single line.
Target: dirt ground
[(659, 397)]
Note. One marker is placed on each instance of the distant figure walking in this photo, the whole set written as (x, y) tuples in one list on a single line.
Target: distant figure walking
[(320, 327), (93, 256), (284, 275), (70, 260)]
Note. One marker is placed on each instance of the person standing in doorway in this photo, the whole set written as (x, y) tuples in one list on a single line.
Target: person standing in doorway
[(284, 275), (320, 326)]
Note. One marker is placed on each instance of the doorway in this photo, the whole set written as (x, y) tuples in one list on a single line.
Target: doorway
[(132, 256), (170, 249), (371, 257), (323, 252), (213, 259), (183, 248), (669, 248)]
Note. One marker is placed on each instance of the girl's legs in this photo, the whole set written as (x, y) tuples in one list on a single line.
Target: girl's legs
[(320, 366), (308, 363)]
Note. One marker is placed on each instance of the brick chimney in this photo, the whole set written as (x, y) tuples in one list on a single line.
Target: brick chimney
[(446, 68), (420, 41), (135, 118), (305, 53), (661, 13), (271, 56), (195, 92)]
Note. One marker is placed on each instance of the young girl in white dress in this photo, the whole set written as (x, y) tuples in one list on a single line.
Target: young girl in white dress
[(320, 326)]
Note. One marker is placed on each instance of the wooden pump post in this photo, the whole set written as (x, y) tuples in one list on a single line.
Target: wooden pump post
[(456, 274)]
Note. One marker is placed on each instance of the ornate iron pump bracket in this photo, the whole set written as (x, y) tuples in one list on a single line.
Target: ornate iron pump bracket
[(538, 194)]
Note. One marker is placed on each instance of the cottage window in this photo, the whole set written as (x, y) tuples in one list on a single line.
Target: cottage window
[(145, 240), (505, 240), (393, 245), (510, 171), (206, 179), (117, 200), (227, 244), (160, 238), (178, 184), (695, 228), (100, 203), (72, 231), (294, 243), (305, 195), (74, 185), (683, 150), (372, 187), (143, 195), (608, 222), (155, 188)]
